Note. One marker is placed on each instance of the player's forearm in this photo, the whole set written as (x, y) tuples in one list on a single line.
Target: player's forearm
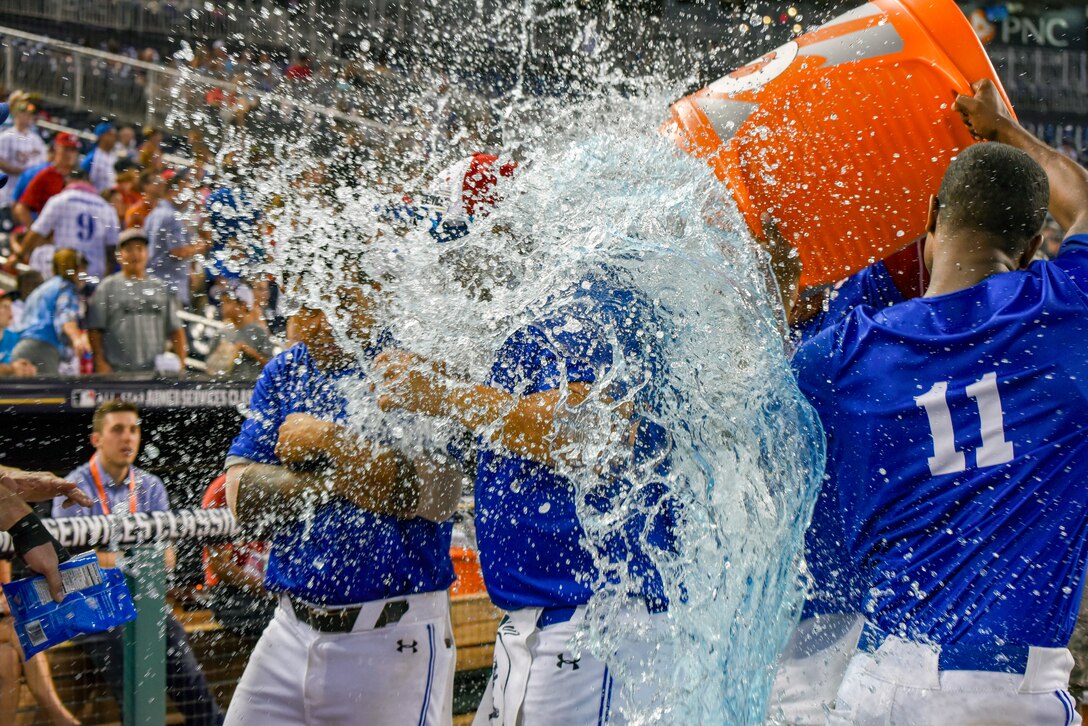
[(266, 493), (1068, 179), (11, 169), (375, 478), (525, 425), (230, 573)]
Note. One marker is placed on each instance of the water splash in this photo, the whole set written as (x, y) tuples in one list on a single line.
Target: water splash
[(607, 197)]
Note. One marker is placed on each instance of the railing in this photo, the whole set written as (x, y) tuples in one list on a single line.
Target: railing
[(251, 22), (221, 646), (135, 91)]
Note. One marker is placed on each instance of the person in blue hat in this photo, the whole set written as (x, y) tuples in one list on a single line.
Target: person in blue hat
[(99, 162)]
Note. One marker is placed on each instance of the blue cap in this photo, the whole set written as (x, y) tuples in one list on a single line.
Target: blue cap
[(3, 112), (102, 128), (3, 180)]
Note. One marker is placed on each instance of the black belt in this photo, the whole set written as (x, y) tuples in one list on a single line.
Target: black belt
[(342, 620)]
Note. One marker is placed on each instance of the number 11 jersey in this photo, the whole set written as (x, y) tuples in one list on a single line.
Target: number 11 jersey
[(958, 454)]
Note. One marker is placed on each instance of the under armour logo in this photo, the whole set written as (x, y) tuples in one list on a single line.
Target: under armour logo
[(493, 715), (402, 646), (563, 661)]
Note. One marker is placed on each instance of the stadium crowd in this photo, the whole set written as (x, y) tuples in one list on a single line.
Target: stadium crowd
[(108, 244)]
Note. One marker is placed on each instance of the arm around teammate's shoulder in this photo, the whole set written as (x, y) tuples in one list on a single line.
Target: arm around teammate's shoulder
[(988, 118)]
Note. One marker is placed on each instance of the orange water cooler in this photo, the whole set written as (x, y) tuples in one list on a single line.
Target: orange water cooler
[(844, 132)]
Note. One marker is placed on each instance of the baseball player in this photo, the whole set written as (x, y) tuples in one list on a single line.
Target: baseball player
[(814, 661), (530, 540), (360, 554), (957, 449), (79, 219)]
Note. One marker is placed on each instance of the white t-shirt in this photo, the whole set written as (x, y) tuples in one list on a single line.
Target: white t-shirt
[(99, 165), (22, 148), (81, 220)]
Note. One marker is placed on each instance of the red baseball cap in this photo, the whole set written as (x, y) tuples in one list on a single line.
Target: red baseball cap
[(66, 140)]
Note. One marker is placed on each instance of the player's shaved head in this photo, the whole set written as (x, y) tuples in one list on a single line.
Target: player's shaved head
[(995, 190)]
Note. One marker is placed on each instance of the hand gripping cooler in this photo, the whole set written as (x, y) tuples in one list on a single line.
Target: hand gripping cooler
[(95, 599), (844, 132)]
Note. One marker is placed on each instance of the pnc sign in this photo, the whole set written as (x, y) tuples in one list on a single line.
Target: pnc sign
[(1065, 28)]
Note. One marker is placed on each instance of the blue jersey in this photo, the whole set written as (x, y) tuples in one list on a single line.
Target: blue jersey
[(527, 526), (234, 219), (872, 286), (343, 554), (836, 587), (24, 180), (957, 454)]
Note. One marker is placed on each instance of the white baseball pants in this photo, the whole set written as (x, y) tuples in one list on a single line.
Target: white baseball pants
[(811, 669), (399, 674), (900, 685), (538, 680)]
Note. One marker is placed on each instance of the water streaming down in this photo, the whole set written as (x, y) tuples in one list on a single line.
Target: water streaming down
[(735, 466)]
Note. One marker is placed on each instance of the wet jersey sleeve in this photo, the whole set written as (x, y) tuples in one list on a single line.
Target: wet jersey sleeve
[(257, 439), (1073, 259)]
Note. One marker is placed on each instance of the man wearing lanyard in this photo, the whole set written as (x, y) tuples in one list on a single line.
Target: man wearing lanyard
[(122, 489)]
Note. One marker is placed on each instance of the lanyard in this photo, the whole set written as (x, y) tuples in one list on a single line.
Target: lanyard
[(102, 498)]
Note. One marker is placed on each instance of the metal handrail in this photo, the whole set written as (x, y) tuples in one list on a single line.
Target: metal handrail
[(194, 77), (171, 159)]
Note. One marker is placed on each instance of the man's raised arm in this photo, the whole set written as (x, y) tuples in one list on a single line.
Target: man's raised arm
[(987, 117)]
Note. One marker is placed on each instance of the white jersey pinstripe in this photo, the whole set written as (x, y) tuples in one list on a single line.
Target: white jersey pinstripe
[(81, 220)]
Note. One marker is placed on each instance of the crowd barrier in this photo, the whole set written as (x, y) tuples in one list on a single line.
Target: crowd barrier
[(138, 92), (222, 651)]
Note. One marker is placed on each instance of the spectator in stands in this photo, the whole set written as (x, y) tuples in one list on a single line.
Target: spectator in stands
[(131, 316), (301, 70), (8, 339), (150, 156), (121, 488), (20, 148), (99, 162), (233, 218), (48, 182), (26, 283), (79, 219), (234, 576), (126, 139), (36, 671), (50, 321), (116, 199), (128, 174), (23, 181), (243, 346), (151, 188), (172, 244)]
